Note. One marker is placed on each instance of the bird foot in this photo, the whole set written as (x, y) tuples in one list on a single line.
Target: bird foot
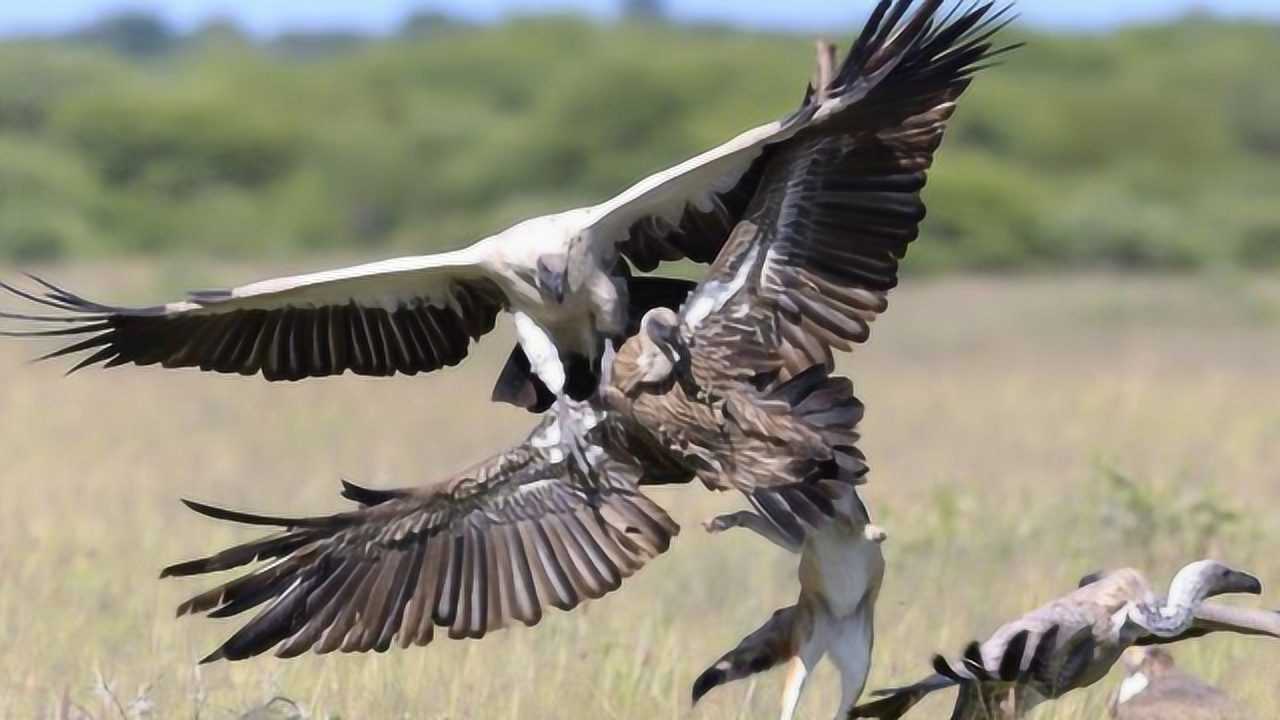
[(720, 523)]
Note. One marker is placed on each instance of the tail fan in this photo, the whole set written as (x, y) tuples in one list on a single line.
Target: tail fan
[(827, 406)]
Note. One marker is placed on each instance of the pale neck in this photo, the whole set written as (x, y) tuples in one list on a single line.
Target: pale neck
[(1161, 620)]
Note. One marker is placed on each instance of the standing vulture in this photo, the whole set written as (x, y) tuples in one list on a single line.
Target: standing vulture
[(1155, 689), (1073, 642), (865, 139)]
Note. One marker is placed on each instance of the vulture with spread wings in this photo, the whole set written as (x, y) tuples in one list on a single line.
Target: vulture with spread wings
[(737, 382), (565, 277), (470, 553), (734, 390)]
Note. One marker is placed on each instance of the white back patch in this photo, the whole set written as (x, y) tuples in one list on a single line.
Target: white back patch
[(713, 294)]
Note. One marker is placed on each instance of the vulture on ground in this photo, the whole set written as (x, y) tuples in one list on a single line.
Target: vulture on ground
[(1073, 642), (1155, 689)]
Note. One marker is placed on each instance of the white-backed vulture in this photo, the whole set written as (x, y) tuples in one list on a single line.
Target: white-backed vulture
[(562, 276), (1155, 689), (1073, 642), (841, 569)]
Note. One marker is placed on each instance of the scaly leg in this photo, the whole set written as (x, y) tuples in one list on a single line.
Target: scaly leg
[(851, 653), (798, 671), (544, 360)]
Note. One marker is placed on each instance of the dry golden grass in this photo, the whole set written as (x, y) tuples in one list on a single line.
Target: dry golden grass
[(996, 409)]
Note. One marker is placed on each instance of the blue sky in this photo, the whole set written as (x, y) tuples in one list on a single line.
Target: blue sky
[(268, 16)]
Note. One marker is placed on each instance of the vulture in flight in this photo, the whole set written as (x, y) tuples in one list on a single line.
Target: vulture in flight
[(865, 139), (737, 381), (1073, 642), (734, 390), (841, 570)]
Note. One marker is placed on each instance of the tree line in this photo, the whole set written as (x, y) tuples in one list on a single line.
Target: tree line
[(1152, 147)]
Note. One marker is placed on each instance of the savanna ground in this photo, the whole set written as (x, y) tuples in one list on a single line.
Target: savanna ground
[(1021, 433)]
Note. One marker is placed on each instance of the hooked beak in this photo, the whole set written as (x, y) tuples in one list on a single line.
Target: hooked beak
[(1240, 582), (552, 282)]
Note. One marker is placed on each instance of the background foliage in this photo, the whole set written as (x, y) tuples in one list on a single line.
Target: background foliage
[(1150, 147)]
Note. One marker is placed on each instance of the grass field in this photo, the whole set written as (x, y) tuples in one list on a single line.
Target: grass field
[(1021, 433)]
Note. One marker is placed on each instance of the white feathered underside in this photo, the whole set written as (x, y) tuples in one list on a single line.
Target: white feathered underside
[(693, 183), (387, 284)]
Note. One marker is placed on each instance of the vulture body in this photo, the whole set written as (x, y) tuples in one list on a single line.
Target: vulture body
[(563, 277), (841, 570), (1073, 642), (1155, 689)]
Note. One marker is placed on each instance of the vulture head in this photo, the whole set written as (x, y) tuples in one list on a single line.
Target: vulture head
[(552, 277), (1207, 578), (649, 357), (1190, 587)]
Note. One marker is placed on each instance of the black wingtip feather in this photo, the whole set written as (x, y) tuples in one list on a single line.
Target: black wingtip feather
[(368, 497), (242, 518), (1038, 669), (1011, 662), (973, 661), (943, 668)]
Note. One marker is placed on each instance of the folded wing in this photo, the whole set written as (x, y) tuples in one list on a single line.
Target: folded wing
[(500, 542), (408, 315)]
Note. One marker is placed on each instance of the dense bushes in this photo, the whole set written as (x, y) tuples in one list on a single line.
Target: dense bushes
[(1147, 148)]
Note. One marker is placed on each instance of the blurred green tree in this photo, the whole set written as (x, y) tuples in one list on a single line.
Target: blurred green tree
[(1147, 148), (644, 9), (133, 32)]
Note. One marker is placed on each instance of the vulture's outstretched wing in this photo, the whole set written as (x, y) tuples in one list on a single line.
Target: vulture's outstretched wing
[(500, 542), (688, 210), (808, 268), (407, 315)]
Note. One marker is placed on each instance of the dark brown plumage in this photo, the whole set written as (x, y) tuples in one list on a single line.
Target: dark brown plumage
[(738, 381), (468, 554), (881, 63)]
